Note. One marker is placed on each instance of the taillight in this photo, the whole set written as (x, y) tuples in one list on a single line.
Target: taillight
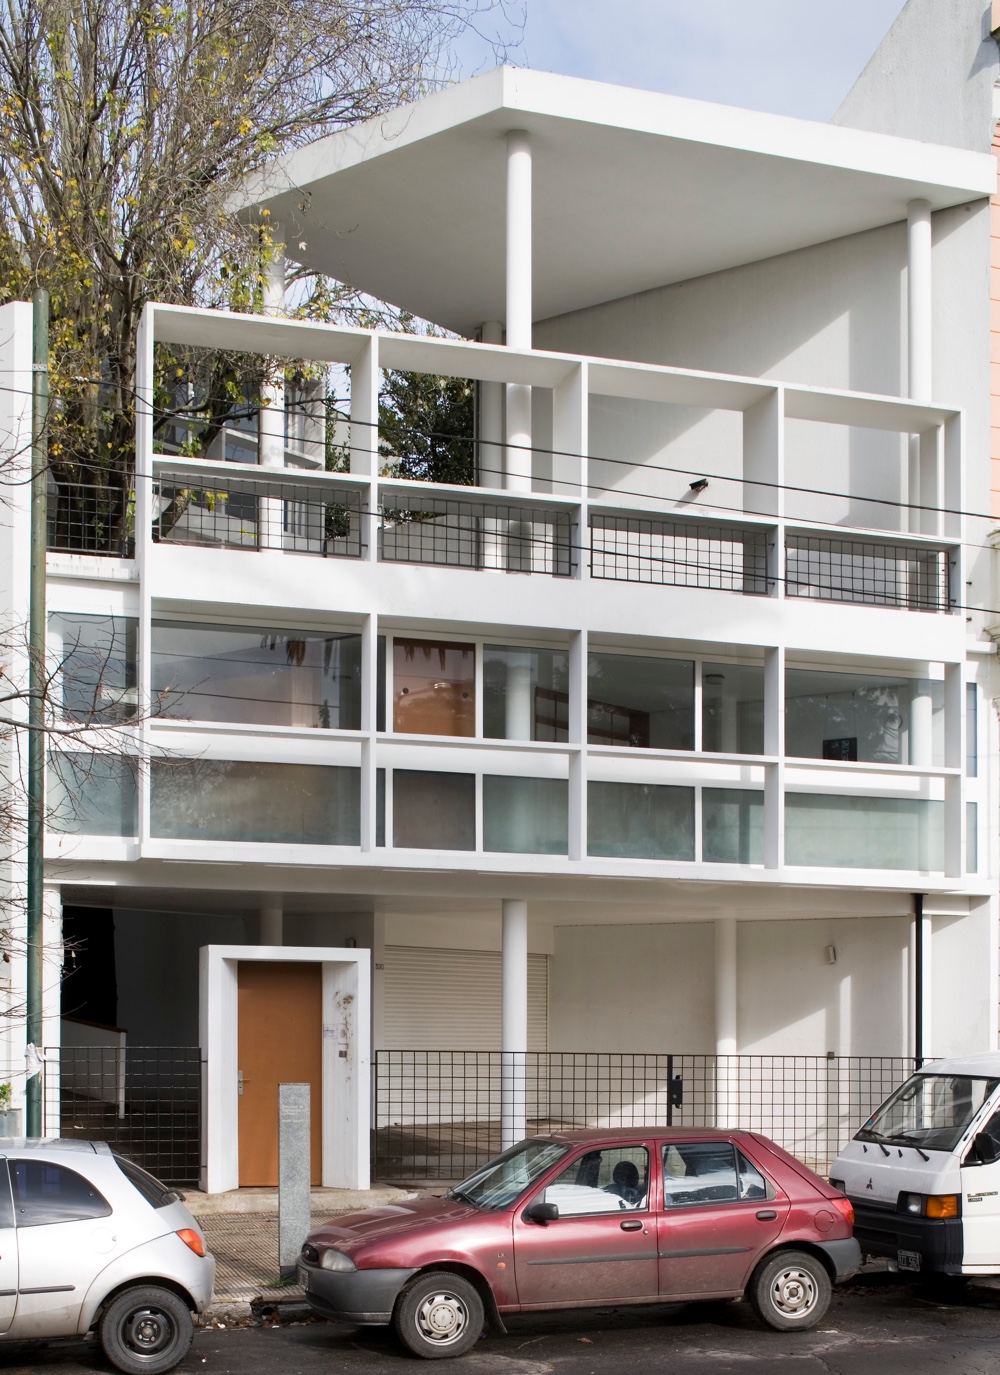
[(191, 1239), (845, 1208)]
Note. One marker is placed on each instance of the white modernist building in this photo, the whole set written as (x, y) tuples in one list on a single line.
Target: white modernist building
[(675, 732)]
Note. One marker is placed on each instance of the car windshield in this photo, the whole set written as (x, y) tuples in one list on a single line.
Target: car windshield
[(929, 1110), (507, 1176)]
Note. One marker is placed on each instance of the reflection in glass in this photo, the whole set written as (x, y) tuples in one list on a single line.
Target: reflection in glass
[(527, 816), (258, 675), (525, 693), (236, 800), (972, 837), (640, 821), (91, 794), (94, 664), (641, 702), (864, 832), (433, 811), (732, 708), (433, 687), (732, 821), (853, 716)]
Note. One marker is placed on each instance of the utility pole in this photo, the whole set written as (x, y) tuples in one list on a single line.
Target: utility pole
[(36, 697)]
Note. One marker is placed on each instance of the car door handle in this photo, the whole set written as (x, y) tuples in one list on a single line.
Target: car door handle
[(633, 1226), (766, 1215)]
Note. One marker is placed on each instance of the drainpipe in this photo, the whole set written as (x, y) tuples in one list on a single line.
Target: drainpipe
[(918, 978), (36, 699)]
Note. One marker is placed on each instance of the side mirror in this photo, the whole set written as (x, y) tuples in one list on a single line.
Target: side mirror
[(542, 1212), (984, 1149)]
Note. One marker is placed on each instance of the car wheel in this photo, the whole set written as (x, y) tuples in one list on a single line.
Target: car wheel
[(439, 1315), (145, 1330), (790, 1291)]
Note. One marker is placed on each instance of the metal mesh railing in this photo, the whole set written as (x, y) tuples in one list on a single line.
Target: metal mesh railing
[(862, 571), (88, 518), (678, 553), (144, 1101), (257, 513), (437, 1113), (455, 533)]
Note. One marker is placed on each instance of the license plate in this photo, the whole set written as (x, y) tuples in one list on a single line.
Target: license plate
[(908, 1260), (304, 1277)]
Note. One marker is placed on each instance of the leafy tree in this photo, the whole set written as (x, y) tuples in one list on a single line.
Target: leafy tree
[(426, 427)]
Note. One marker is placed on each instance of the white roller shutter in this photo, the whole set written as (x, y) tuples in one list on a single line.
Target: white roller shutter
[(450, 999)]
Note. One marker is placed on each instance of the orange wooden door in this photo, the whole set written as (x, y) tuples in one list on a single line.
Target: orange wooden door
[(280, 1012)]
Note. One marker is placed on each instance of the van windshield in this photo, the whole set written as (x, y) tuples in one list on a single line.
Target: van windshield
[(930, 1110)]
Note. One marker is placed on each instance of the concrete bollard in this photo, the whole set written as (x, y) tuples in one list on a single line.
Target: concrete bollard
[(294, 1174)]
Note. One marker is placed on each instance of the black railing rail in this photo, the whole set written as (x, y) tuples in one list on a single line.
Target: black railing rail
[(457, 532), (869, 572), (437, 1112), (90, 518), (679, 553), (144, 1101)]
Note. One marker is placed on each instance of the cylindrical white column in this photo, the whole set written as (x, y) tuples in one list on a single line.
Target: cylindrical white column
[(727, 1104), (921, 730), (919, 299), (513, 1021), (271, 416), (519, 306), (517, 700), (272, 920), (491, 418)]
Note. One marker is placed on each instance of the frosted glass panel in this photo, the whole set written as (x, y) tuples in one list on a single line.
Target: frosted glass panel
[(640, 821), (864, 832), (224, 799), (732, 708), (91, 794), (433, 811), (525, 693), (527, 816), (972, 837), (93, 660), (732, 821), (644, 703), (874, 720), (259, 675)]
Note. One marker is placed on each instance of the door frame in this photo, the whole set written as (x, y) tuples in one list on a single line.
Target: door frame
[(346, 1059)]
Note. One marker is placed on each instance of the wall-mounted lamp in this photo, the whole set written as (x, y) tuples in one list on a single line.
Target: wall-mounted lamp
[(699, 484), (830, 954)]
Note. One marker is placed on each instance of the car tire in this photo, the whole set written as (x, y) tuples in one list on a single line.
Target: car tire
[(439, 1315), (790, 1291), (145, 1330)]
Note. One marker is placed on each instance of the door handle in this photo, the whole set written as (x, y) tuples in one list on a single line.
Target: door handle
[(766, 1215), (632, 1226)]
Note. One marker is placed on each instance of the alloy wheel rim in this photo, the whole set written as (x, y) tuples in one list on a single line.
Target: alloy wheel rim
[(442, 1318), (793, 1292), (147, 1331)]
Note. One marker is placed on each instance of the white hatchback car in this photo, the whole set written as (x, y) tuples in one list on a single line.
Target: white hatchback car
[(89, 1240)]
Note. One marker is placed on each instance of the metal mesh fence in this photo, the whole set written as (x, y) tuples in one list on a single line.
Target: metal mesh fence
[(456, 533), (257, 513), (144, 1101), (860, 571), (89, 518), (678, 553), (438, 1112)]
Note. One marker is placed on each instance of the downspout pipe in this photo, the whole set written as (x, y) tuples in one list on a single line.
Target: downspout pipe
[(918, 979)]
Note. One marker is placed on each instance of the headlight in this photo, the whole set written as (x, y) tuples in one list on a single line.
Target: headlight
[(336, 1260), (839, 1184), (929, 1205)]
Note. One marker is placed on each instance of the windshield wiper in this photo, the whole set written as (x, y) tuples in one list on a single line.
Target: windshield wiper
[(462, 1197), (875, 1136), (904, 1137)]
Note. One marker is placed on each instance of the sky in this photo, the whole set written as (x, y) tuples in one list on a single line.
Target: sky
[(790, 57)]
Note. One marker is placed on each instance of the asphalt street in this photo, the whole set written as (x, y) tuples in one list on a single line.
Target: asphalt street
[(877, 1326)]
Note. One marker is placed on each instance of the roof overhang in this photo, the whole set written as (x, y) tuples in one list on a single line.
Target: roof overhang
[(632, 190)]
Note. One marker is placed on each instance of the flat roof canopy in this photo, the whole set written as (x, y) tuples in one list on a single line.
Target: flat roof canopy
[(632, 190)]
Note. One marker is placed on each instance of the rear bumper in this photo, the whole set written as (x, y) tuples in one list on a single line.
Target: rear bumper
[(884, 1232), (363, 1296), (844, 1257)]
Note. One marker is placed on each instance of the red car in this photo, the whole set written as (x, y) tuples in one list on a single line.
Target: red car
[(574, 1219)]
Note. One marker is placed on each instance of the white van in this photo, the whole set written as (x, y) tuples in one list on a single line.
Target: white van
[(923, 1172)]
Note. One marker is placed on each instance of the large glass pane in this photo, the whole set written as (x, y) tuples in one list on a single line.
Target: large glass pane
[(259, 675), (858, 716), (94, 665), (433, 687), (236, 800), (640, 821), (732, 708), (971, 730), (640, 702), (732, 826), (864, 832), (972, 837), (527, 816), (433, 811), (91, 794), (525, 693)]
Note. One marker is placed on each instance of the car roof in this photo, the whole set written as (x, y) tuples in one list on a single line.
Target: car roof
[(986, 1064), (601, 1134), (60, 1144)]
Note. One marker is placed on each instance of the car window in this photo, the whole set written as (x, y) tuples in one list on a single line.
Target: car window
[(45, 1193), (753, 1185), (6, 1202), (148, 1185), (612, 1180), (700, 1172)]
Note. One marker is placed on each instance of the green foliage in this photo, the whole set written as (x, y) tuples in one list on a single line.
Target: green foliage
[(426, 427)]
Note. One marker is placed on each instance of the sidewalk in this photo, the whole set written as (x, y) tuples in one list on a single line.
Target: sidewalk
[(241, 1229)]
